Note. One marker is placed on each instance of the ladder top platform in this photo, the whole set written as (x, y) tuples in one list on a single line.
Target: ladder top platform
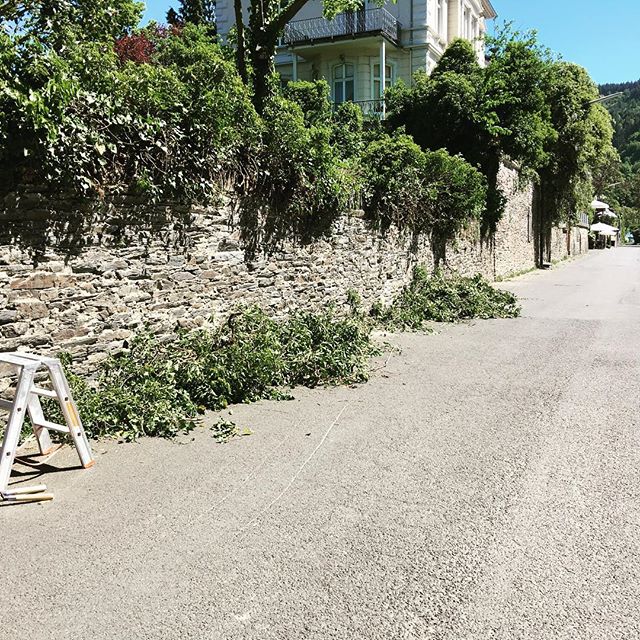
[(20, 359)]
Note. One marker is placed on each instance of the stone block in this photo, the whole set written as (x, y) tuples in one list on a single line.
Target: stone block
[(39, 281), (14, 329), (8, 315), (31, 309), (69, 332), (183, 276)]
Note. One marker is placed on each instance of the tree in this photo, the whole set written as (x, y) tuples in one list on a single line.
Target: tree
[(524, 105), (451, 97), (58, 22), (267, 20), (422, 192), (198, 12), (452, 110), (582, 138)]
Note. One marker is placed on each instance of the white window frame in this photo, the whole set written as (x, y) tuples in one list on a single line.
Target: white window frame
[(344, 78), (440, 16), (389, 63), (466, 21)]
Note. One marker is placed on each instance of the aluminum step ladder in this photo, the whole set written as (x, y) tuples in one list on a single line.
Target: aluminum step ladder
[(27, 400)]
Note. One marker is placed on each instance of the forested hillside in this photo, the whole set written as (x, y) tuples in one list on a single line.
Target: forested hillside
[(626, 114), (625, 194)]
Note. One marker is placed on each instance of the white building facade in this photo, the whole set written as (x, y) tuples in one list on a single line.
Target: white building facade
[(360, 53)]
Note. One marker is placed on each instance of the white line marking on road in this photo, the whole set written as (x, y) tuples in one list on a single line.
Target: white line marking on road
[(296, 474)]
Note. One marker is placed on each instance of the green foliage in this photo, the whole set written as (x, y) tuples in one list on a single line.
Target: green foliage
[(524, 105), (224, 430), (83, 122), (312, 98), (61, 23), (199, 12), (582, 134), (425, 192), (458, 193), (394, 170), (440, 298), (253, 356), (299, 185), (136, 395), (619, 183), (625, 111), (347, 135), (449, 110), (158, 389), (444, 110)]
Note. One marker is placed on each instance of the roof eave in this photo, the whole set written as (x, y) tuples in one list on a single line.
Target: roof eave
[(488, 10)]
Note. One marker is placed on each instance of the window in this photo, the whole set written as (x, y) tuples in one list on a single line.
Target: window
[(343, 83), (466, 24), (388, 79), (440, 17)]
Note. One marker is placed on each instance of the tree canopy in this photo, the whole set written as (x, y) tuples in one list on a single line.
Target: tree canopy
[(525, 105), (56, 22), (199, 12)]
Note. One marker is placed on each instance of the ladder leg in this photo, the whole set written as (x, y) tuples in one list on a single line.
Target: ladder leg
[(71, 415), (37, 418), (14, 425)]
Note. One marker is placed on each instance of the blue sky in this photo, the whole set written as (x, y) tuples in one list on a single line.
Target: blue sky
[(604, 37)]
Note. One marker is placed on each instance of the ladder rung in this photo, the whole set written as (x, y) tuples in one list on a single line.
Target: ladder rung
[(52, 426), (6, 404), (44, 392)]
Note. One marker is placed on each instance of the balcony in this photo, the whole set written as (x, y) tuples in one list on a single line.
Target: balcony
[(353, 24)]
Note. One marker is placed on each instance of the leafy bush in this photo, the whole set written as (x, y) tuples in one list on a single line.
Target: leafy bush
[(523, 104), (440, 298), (312, 98), (299, 185), (158, 389), (444, 109), (430, 192), (347, 135), (395, 191), (458, 193), (81, 120)]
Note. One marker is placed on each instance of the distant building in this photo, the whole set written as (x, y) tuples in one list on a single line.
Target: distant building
[(361, 53)]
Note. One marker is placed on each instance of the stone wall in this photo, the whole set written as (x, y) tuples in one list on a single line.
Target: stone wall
[(81, 278), (568, 241)]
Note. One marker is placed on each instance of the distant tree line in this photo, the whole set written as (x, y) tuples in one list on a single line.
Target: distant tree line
[(623, 186)]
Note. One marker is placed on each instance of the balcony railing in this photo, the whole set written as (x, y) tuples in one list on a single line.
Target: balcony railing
[(351, 24)]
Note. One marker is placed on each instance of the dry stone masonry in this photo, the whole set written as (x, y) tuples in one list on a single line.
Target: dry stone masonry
[(81, 277)]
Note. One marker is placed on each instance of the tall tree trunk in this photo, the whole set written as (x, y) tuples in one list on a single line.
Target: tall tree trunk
[(262, 56), (542, 223), (264, 32), (240, 49)]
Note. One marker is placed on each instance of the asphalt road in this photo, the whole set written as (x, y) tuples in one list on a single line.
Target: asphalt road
[(484, 485)]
